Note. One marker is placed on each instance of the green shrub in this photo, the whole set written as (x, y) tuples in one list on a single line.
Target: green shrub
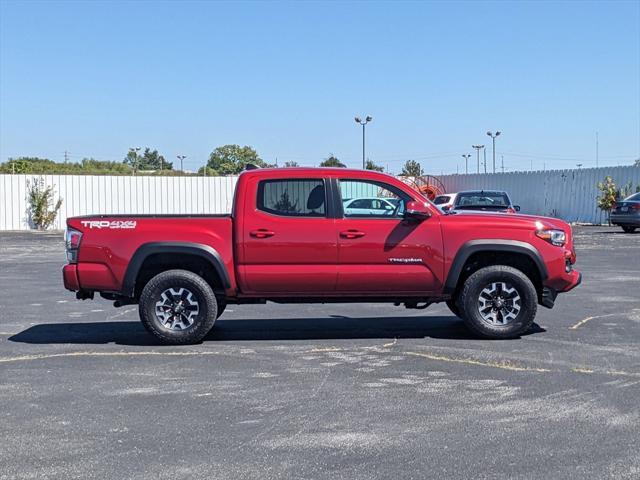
[(42, 209)]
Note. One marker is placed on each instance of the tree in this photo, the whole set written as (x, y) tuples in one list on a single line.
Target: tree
[(372, 166), (17, 165), (412, 169), (87, 166), (332, 161), (232, 160), (149, 160), (637, 163), (284, 204), (607, 200), (290, 164), (42, 208)]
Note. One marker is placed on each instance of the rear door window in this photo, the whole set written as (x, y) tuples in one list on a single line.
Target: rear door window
[(293, 197)]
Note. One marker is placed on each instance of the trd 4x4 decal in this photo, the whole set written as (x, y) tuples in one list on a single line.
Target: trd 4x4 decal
[(116, 224)]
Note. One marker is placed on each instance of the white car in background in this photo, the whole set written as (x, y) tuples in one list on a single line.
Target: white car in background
[(445, 201), (370, 206)]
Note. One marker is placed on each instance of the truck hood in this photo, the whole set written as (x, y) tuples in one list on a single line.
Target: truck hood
[(508, 219)]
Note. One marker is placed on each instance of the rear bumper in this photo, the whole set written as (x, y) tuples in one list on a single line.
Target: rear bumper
[(70, 277), (632, 220)]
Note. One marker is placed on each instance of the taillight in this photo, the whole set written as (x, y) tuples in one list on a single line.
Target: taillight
[(72, 243)]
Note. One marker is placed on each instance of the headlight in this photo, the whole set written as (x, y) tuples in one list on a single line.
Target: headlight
[(554, 237)]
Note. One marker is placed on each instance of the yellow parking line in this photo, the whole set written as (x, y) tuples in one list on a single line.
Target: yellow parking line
[(588, 319), (504, 366), (24, 358)]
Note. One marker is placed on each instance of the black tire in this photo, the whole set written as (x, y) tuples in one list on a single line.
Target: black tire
[(453, 306), (222, 306), (629, 229), (202, 315), (484, 279)]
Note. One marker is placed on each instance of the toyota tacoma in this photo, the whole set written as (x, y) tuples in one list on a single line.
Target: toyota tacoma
[(290, 239)]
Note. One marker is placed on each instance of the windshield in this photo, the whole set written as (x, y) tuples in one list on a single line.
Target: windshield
[(480, 200)]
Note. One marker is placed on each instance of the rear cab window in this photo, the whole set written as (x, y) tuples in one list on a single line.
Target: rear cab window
[(633, 198), (440, 199), (483, 199)]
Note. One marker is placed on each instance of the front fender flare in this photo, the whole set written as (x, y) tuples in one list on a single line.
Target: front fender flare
[(491, 245)]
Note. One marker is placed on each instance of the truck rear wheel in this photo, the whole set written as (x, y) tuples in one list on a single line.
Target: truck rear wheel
[(629, 229), (498, 302), (178, 307)]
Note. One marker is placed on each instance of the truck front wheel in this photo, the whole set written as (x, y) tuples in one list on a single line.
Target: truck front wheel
[(498, 302), (453, 306), (178, 307)]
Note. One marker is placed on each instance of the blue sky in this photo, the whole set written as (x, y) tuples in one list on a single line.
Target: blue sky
[(95, 78)]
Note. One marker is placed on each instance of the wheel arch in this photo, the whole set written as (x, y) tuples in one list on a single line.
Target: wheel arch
[(206, 255), (499, 247)]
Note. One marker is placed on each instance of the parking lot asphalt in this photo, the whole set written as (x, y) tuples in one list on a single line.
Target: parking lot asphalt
[(319, 391)]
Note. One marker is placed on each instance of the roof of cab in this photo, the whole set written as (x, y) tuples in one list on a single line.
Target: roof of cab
[(325, 171)]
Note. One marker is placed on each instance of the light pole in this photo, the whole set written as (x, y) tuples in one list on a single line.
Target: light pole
[(478, 147), (363, 123), (466, 162), (493, 137), (484, 162), (181, 158), (135, 151)]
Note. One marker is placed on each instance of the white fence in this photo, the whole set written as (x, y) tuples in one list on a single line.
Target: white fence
[(567, 194), (88, 194)]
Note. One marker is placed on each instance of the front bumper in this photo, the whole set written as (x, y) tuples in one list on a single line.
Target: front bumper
[(549, 294)]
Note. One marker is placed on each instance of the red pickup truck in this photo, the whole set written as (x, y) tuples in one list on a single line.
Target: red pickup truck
[(296, 235)]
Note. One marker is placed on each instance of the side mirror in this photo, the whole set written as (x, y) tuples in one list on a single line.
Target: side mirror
[(516, 208), (417, 210)]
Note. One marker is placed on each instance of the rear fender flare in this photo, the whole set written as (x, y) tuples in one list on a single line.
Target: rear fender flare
[(205, 252)]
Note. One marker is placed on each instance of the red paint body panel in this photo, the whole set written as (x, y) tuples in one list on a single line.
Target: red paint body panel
[(307, 256), (97, 276), (70, 277), (299, 257), (114, 248), (364, 263)]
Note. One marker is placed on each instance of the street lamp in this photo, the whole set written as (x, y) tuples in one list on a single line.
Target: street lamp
[(493, 137), (363, 123), (478, 148), (466, 162), (181, 158), (135, 151)]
